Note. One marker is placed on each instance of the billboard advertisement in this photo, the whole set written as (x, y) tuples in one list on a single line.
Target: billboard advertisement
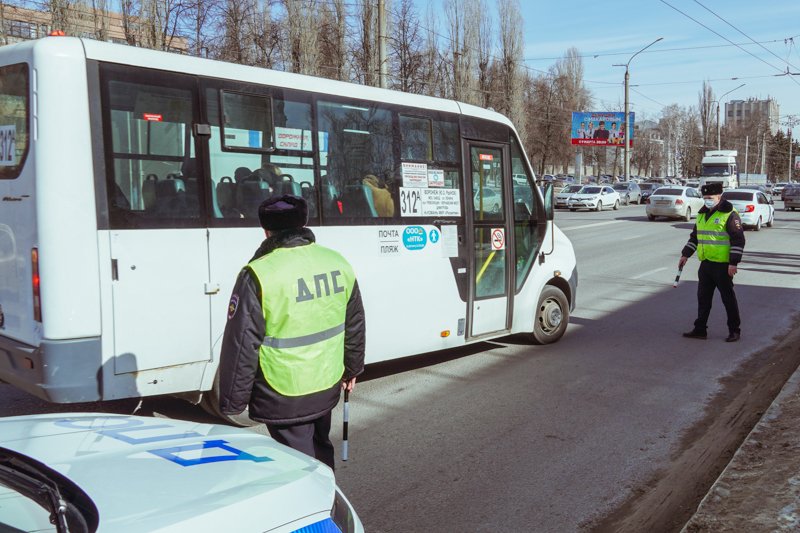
[(797, 162), (600, 128)]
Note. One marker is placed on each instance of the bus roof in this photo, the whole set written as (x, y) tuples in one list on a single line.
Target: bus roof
[(147, 58)]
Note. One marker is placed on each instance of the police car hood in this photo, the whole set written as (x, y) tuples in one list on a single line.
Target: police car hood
[(152, 474)]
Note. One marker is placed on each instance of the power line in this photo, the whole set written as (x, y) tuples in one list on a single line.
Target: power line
[(743, 33), (659, 50), (720, 35)]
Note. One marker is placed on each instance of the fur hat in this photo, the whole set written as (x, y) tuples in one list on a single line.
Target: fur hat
[(283, 212), (710, 189)]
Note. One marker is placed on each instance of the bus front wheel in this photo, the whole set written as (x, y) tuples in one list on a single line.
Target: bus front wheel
[(210, 403), (552, 316)]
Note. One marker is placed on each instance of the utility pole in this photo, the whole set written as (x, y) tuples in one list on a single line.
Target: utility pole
[(792, 121), (627, 146), (384, 82)]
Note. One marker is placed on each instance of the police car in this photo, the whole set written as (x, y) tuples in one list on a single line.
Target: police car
[(97, 472)]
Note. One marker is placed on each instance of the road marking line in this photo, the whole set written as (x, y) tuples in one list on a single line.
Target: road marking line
[(643, 274), (593, 225), (631, 237)]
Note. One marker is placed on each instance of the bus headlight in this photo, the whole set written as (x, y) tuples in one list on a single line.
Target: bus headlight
[(342, 514)]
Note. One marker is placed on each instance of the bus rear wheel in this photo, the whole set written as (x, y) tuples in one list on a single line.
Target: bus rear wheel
[(210, 404), (552, 316)]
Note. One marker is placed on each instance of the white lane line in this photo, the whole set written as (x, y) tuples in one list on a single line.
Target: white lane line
[(631, 237), (593, 225), (643, 274)]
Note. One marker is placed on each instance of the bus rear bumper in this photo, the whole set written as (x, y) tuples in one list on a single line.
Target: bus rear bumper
[(67, 371)]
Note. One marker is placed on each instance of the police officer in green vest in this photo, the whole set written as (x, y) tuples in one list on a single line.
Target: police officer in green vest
[(718, 238), (295, 333)]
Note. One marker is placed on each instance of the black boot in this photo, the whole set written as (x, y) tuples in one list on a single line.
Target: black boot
[(733, 336), (695, 334)]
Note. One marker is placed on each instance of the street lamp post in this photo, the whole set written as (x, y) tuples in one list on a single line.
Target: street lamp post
[(719, 147), (627, 156)]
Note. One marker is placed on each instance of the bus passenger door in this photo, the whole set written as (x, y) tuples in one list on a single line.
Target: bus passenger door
[(488, 217), (158, 240)]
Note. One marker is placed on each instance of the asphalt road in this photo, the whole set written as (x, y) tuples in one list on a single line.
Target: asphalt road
[(507, 436), (526, 438)]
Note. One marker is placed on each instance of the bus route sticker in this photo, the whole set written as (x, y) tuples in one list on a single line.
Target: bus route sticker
[(8, 148), (498, 239)]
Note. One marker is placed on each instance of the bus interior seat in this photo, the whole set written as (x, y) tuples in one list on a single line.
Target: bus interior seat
[(287, 185), (226, 196), (149, 192), (250, 193), (357, 201), (171, 197)]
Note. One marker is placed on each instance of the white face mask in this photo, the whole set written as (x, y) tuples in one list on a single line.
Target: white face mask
[(710, 202)]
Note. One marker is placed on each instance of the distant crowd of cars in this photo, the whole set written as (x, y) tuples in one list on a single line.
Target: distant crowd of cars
[(666, 197)]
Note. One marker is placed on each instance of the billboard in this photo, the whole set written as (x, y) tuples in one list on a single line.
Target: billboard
[(600, 128), (797, 162)]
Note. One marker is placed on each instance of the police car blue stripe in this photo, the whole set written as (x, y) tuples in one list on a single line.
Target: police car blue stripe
[(325, 526)]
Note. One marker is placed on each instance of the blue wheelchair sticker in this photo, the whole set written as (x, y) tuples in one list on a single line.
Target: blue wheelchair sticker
[(414, 238)]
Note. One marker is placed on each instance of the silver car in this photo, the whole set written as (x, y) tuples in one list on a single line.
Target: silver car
[(674, 201), (563, 196)]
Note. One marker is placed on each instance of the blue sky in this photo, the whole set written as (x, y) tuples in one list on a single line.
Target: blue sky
[(673, 70)]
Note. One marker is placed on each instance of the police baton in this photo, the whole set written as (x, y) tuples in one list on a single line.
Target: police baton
[(345, 420), (677, 277)]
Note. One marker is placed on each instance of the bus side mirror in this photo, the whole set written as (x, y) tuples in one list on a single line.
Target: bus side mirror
[(549, 195)]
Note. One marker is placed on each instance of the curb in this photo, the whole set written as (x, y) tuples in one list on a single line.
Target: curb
[(705, 515)]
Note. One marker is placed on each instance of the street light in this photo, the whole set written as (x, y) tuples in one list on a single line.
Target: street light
[(627, 121), (718, 100)]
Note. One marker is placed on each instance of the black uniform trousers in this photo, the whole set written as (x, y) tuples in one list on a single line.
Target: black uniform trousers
[(715, 276), (312, 438)]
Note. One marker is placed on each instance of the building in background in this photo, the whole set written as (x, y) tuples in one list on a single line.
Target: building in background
[(741, 112), (22, 24)]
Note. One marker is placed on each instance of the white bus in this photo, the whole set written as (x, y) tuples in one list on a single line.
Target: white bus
[(130, 181)]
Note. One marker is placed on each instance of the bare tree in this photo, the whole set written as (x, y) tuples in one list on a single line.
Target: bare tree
[(511, 63), (485, 38), (432, 70), (705, 105), (302, 30), (332, 45), (406, 49), (233, 26), (365, 50), (462, 31)]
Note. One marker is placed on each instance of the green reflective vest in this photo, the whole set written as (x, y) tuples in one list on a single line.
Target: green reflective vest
[(304, 295), (713, 241)]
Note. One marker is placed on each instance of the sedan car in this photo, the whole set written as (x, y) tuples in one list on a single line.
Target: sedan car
[(596, 197), (89, 472), (629, 192), (791, 195), (754, 207), (674, 201), (565, 194)]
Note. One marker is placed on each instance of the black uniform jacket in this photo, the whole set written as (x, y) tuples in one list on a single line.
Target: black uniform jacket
[(733, 227), (241, 380)]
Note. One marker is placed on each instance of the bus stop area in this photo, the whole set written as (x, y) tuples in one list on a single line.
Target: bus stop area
[(759, 490)]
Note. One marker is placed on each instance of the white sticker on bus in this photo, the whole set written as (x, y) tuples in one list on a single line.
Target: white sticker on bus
[(415, 174), (415, 202), (8, 148), (435, 177)]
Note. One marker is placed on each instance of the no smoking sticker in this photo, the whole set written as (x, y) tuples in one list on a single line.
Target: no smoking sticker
[(498, 239)]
